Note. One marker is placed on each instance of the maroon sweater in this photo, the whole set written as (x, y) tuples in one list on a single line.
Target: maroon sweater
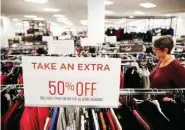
[(170, 76)]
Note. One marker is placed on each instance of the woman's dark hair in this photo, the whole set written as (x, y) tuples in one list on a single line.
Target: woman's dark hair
[(164, 42)]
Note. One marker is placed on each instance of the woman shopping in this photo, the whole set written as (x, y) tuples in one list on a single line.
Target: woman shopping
[(169, 73)]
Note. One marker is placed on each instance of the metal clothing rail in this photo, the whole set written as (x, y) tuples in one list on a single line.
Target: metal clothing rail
[(154, 91), (128, 91)]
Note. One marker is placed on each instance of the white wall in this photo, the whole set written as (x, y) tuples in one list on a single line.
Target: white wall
[(7, 29), (180, 26)]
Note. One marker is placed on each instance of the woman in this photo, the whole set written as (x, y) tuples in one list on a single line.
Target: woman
[(169, 73)]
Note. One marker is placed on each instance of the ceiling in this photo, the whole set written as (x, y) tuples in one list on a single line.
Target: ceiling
[(76, 10)]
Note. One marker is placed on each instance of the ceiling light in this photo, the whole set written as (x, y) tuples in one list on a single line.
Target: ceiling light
[(107, 12), (67, 22), (51, 10), (18, 24), (37, 1), (15, 19), (147, 5), (53, 23), (84, 22), (59, 15), (131, 17), (139, 13), (108, 2), (61, 19), (39, 19), (30, 16)]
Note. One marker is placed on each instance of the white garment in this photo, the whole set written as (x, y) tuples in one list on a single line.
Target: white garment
[(61, 123), (116, 119), (46, 123), (95, 120)]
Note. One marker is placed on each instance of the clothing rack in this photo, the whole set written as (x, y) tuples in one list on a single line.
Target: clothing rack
[(127, 91)]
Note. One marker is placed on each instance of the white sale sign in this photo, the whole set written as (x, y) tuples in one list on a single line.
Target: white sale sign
[(111, 39), (66, 81), (61, 47), (47, 38)]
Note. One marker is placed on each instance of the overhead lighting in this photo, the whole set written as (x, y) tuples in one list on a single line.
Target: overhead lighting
[(147, 5), (67, 22), (139, 13), (62, 19), (108, 2), (84, 22), (51, 10), (59, 15), (18, 24), (108, 12), (30, 16), (39, 19), (53, 23), (131, 17), (15, 19), (37, 1)]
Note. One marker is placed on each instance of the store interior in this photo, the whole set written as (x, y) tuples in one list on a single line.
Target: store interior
[(133, 31)]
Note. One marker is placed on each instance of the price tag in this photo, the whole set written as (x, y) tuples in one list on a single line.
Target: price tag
[(56, 81), (47, 38), (111, 39), (61, 47)]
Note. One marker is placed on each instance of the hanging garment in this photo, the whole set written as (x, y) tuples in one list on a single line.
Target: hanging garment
[(47, 123), (29, 119), (115, 120), (141, 120), (176, 114), (54, 119), (102, 121), (153, 116), (96, 124), (61, 123), (110, 120), (127, 120)]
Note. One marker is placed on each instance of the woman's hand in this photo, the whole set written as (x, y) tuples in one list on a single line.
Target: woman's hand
[(167, 99)]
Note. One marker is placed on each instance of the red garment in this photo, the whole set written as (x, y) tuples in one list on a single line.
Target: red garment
[(3, 79), (121, 80), (20, 79), (110, 120), (141, 120), (12, 105), (43, 113), (118, 33), (170, 76), (29, 119), (9, 114), (34, 118)]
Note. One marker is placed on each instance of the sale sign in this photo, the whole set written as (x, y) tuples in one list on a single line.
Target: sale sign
[(61, 81), (61, 47)]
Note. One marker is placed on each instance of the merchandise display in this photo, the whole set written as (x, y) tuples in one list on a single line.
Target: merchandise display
[(93, 65)]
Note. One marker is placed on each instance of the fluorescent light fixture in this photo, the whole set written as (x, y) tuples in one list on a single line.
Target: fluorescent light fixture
[(62, 19), (139, 13), (59, 15), (108, 12), (37, 1), (84, 22), (108, 2), (18, 24), (131, 17), (15, 19), (51, 10), (147, 5), (67, 22), (39, 19), (30, 16)]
